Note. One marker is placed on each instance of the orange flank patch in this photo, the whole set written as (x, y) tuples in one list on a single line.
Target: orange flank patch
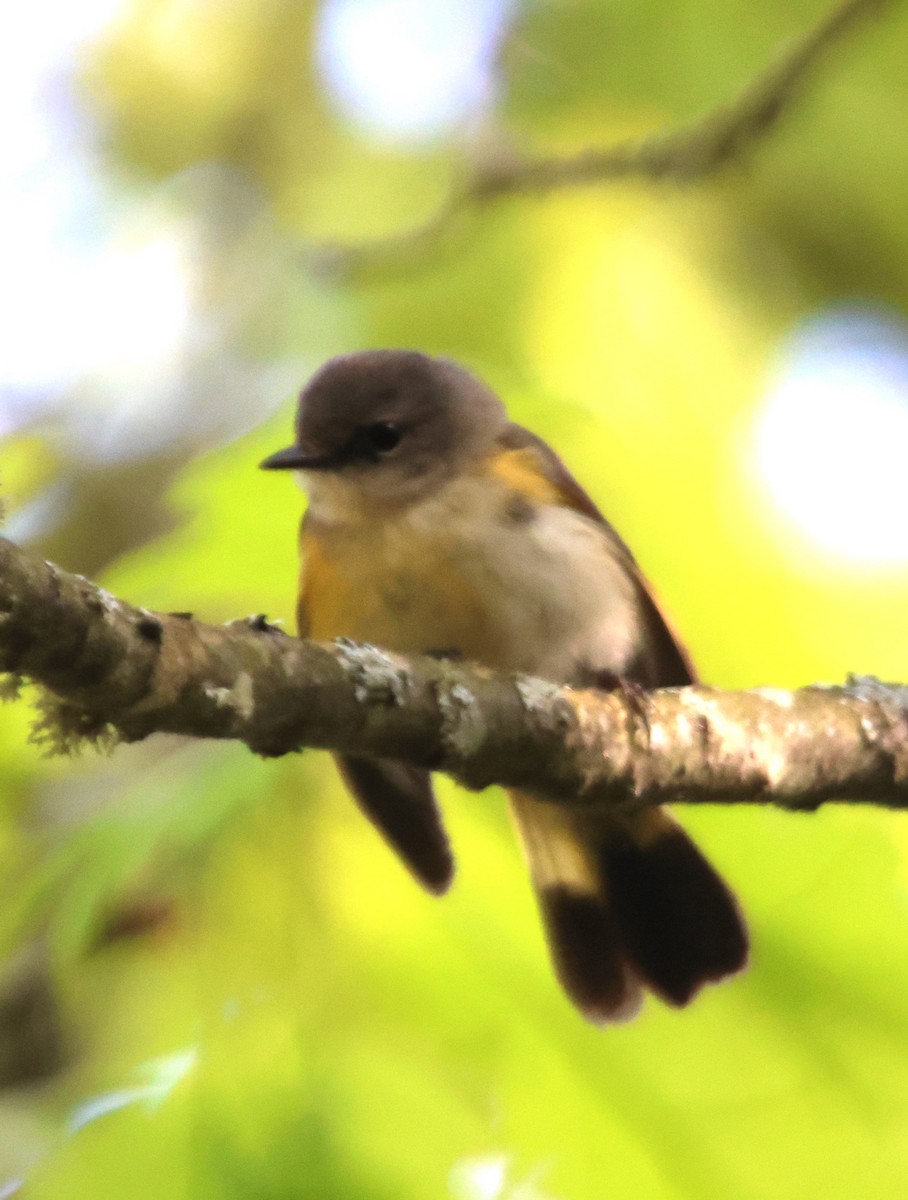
[(521, 472), (324, 593), (401, 595)]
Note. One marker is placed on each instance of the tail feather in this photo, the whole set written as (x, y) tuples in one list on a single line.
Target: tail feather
[(627, 905), (583, 938), (678, 922), (587, 955)]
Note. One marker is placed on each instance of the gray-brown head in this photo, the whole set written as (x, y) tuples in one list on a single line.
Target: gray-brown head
[(388, 426)]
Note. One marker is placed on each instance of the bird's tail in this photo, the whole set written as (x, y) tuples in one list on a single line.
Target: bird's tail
[(628, 903)]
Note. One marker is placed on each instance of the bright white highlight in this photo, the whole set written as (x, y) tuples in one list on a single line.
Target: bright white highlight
[(480, 1178), (490, 1178), (159, 1079), (410, 68), (70, 291), (831, 440), (106, 327), (46, 193)]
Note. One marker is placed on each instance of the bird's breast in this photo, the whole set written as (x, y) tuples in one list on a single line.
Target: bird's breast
[(485, 569)]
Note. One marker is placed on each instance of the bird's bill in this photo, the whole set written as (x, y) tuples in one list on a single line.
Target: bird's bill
[(295, 458)]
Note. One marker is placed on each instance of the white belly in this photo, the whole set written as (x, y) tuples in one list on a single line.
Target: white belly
[(556, 593)]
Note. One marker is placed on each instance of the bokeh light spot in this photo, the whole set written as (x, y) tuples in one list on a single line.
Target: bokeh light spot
[(831, 438), (407, 69)]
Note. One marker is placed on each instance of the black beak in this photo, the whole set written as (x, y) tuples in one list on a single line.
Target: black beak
[(295, 458)]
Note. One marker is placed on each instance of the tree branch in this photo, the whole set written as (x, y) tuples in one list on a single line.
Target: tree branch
[(682, 155), (126, 672)]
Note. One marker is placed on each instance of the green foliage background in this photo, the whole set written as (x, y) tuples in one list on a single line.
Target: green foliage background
[(303, 1022)]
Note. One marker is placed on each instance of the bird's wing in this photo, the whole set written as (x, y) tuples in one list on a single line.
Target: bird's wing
[(399, 801), (665, 663)]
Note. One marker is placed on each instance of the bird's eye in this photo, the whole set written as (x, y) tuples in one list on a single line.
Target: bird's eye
[(383, 436)]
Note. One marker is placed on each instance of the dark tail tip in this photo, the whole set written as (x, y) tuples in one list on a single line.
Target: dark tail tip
[(587, 955), (678, 922)]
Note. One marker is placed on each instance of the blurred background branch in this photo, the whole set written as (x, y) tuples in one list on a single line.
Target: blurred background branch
[(679, 156), (135, 673)]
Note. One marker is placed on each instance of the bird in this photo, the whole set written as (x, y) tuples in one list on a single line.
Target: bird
[(435, 525)]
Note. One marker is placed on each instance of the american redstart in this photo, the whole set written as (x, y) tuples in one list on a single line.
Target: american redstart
[(436, 526)]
